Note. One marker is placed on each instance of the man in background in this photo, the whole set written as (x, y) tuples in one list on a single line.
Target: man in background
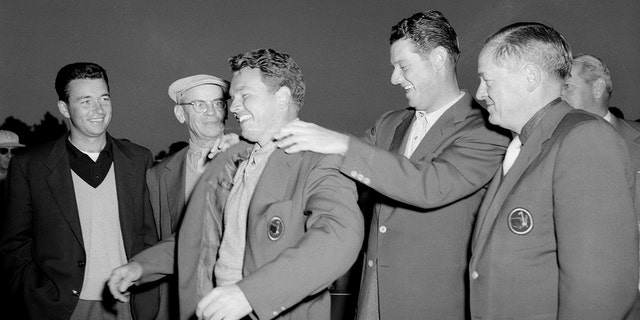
[(427, 166), (556, 236), (79, 208), (201, 105), (589, 87), (8, 142)]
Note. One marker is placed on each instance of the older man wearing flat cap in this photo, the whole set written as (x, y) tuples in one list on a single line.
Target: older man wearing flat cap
[(200, 104)]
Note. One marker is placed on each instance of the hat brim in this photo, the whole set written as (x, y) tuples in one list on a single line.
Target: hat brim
[(11, 144)]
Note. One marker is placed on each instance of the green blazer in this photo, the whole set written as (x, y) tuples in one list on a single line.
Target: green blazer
[(556, 238)]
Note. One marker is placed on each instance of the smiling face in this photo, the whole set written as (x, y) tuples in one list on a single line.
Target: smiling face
[(255, 106), (88, 109), (501, 88), (415, 73), (206, 126)]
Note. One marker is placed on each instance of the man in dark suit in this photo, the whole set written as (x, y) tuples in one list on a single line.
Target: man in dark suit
[(428, 165), (79, 207), (556, 236), (201, 105), (589, 88), (266, 232)]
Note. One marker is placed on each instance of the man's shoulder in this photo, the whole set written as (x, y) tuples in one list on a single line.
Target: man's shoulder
[(38, 152), (128, 146)]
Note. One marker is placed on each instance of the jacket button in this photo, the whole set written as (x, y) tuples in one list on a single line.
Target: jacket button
[(81, 263), (474, 275), (383, 229), (75, 292), (370, 263)]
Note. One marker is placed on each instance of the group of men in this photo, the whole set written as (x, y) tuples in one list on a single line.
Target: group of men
[(260, 227)]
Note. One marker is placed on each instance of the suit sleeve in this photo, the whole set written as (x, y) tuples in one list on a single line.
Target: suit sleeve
[(17, 233), (154, 198), (462, 168), (595, 225), (328, 248), (157, 261)]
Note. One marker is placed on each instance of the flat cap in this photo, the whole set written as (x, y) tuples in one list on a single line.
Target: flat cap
[(181, 85), (9, 139)]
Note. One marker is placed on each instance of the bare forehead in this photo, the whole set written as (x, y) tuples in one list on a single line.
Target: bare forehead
[(87, 87), (247, 79)]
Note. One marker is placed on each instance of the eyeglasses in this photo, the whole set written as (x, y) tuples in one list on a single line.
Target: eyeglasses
[(200, 106), (4, 151)]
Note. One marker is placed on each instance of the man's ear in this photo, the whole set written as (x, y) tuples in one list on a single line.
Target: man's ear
[(64, 109), (438, 56), (533, 75), (598, 88), (178, 110), (283, 96)]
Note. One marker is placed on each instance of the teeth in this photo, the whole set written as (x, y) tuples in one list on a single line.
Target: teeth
[(243, 118), (407, 88)]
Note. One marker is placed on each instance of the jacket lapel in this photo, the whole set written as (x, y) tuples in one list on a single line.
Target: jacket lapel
[(399, 137), (275, 173), (444, 126), (174, 176), (125, 174), (530, 150), (61, 186)]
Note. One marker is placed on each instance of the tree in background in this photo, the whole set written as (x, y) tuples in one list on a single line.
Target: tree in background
[(49, 128)]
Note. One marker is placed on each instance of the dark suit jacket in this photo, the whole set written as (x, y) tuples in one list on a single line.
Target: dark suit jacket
[(166, 182), (425, 206), (285, 278), (556, 238), (630, 131), (42, 244)]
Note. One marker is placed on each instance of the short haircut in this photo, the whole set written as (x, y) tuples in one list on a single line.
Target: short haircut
[(592, 68), (78, 70), (278, 70), (535, 43), (428, 29)]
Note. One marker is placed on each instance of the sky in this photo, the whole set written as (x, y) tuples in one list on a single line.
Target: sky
[(342, 47)]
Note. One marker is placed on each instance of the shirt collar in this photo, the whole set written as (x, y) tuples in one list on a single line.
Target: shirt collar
[(433, 116), (533, 122)]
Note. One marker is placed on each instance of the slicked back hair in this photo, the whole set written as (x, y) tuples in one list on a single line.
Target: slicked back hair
[(592, 68), (278, 70), (535, 43), (428, 29), (78, 70)]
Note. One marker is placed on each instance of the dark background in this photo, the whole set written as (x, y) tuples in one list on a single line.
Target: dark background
[(342, 47)]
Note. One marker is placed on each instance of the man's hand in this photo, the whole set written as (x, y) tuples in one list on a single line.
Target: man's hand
[(223, 143), (304, 136), (228, 303), (122, 278)]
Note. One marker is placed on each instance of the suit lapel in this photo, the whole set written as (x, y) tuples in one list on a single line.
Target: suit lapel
[(275, 173), (125, 174), (61, 186), (174, 176), (625, 129), (530, 150), (399, 137)]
